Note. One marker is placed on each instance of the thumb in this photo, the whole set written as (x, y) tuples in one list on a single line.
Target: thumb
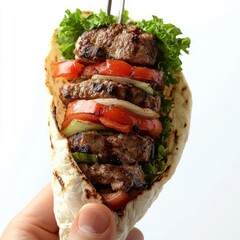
[(94, 222)]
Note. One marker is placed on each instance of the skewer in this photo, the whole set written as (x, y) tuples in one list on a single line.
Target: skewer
[(121, 9), (109, 6), (120, 14)]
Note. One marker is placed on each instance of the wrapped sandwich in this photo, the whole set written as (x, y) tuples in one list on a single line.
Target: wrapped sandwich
[(119, 113)]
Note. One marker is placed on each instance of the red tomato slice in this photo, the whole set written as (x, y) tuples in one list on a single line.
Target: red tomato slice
[(81, 116), (109, 67), (147, 74), (83, 106), (69, 69), (92, 69), (116, 68), (124, 116), (115, 125), (114, 117), (116, 200)]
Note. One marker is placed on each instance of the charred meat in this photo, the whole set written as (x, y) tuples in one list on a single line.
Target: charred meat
[(92, 89), (118, 177), (118, 41), (114, 149)]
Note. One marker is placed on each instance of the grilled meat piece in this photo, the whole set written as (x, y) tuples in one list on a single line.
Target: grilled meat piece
[(131, 148), (119, 177), (92, 89), (118, 41), (114, 149)]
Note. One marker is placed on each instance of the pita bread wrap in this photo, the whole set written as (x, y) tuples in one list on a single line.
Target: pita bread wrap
[(71, 187)]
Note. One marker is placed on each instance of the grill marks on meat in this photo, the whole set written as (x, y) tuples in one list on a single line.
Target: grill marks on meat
[(92, 89), (119, 156), (118, 177), (118, 41), (115, 149), (131, 148)]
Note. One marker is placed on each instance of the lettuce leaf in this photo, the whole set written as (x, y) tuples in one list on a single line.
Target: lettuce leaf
[(170, 46), (75, 24)]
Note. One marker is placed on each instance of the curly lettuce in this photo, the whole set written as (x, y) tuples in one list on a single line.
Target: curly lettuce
[(169, 44), (75, 24)]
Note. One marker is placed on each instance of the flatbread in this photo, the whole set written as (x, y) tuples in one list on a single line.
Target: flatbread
[(70, 186)]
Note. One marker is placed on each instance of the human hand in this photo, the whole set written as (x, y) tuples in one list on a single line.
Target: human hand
[(37, 222)]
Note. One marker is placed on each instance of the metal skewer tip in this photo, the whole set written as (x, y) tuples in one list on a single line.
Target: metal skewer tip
[(121, 9), (109, 6)]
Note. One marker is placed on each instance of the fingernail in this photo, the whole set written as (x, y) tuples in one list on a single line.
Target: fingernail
[(93, 221), (135, 234)]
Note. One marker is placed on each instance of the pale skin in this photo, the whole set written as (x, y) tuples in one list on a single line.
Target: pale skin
[(37, 222)]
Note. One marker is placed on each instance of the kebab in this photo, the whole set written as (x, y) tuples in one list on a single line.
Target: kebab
[(120, 113)]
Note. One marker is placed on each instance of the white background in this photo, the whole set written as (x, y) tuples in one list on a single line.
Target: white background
[(202, 200)]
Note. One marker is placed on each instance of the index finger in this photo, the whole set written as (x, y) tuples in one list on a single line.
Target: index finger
[(35, 221), (40, 209)]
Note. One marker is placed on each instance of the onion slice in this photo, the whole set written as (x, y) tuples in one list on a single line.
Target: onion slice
[(76, 126), (139, 84), (145, 112)]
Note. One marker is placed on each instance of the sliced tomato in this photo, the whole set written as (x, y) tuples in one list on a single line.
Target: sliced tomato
[(124, 128), (109, 67), (124, 116), (116, 200), (92, 69), (123, 69), (82, 116), (112, 116), (116, 68), (69, 69), (83, 106), (147, 74)]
